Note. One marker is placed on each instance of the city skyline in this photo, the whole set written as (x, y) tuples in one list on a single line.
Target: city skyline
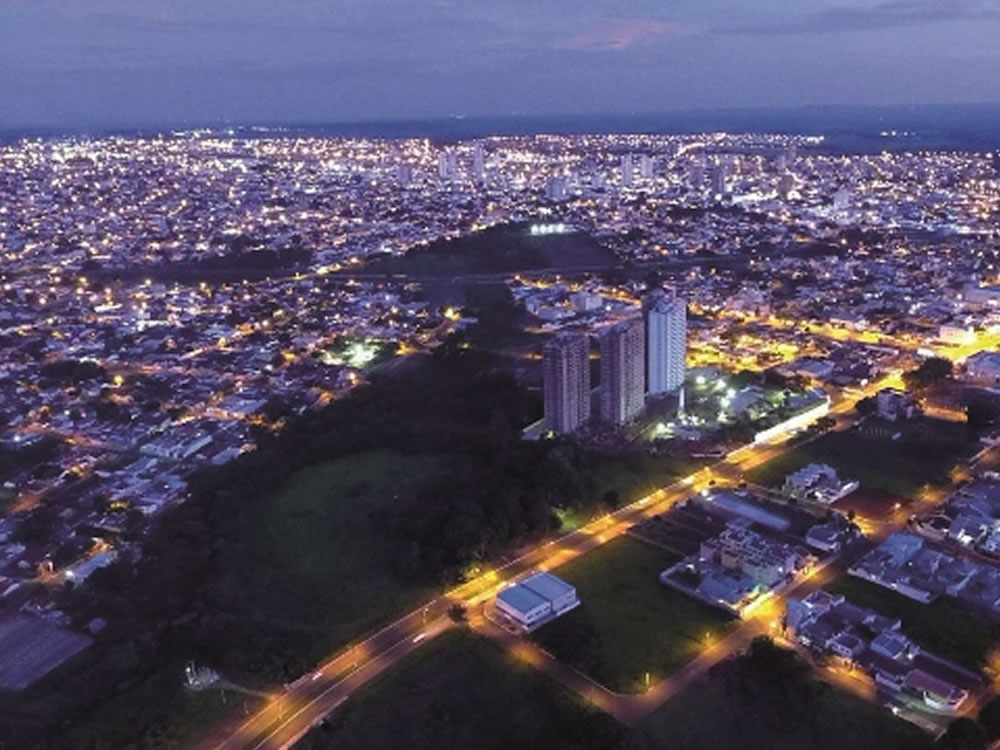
[(537, 375)]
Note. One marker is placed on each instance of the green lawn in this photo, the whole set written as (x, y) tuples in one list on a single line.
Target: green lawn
[(925, 454), (942, 627), (460, 692), (628, 623), (315, 559), (708, 716), (317, 563)]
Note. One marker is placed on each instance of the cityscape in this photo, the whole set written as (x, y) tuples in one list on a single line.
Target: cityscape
[(360, 430)]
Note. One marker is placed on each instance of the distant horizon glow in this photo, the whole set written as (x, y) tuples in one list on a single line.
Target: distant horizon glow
[(121, 63)]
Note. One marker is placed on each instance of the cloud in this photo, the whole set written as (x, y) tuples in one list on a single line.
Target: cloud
[(618, 34), (884, 15)]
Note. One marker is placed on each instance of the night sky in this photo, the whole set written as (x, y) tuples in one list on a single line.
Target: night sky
[(135, 62)]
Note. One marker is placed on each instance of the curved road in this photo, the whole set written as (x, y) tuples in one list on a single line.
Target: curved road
[(304, 703)]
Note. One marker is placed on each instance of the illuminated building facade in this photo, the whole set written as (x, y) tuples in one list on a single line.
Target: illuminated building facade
[(623, 389), (566, 364), (666, 343)]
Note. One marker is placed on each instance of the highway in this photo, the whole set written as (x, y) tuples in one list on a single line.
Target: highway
[(292, 712)]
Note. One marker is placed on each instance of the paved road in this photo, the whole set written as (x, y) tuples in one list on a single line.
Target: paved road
[(304, 703)]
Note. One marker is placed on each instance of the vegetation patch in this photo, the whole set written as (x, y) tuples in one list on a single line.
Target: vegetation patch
[(924, 454), (460, 692), (499, 249), (770, 698)]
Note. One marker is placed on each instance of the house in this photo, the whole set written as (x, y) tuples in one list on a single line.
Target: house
[(829, 624), (847, 645), (817, 482), (893, 645), (983, 368), (937, 693), (892, 404), (826, 537)]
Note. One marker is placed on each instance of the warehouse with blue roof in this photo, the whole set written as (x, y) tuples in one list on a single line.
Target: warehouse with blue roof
[(536, 600)]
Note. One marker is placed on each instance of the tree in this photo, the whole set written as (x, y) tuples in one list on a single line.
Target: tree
[(930, 372), (409, 560), (66, 553), (500, 433), (38, 526), (963, 734), (612, 498), (866, 406), (771, 682), (824, 424), (989, 718)]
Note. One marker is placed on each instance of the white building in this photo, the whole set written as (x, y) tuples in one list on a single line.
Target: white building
[(628, 171), (956, 334), (893, 404), (478, 163), (646, 165), (982, 296), (523, 606), (537, 599), (818, 481), (447, 164), (555, 189), (666, 334), (983, 368), (584, 301), (717, 179)]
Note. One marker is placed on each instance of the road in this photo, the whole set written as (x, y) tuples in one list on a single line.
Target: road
[(631, 708), (292, 712), (956, 352)]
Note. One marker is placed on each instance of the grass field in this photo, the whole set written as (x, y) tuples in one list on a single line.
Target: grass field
[(628, 623), (161, 712), (707, 716), (942, 627), (461, 692), (316, 559), (636, 474), (499, 249), (925, 454)]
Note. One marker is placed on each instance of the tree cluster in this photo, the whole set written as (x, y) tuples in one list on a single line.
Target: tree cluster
[(931, 371), (172, 605)]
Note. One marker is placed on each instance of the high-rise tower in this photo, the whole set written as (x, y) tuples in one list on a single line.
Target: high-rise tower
[(622, 382), (666, 336), (566, 365)]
